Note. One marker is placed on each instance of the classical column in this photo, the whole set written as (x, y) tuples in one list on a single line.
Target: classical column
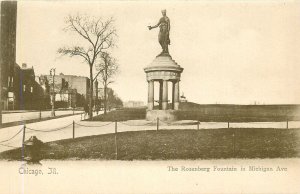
[(150, 95), (176, 95), (173, 95), (165, 95), (160, 94)]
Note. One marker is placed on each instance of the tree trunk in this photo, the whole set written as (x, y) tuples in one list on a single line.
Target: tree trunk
[(91, 93), (105, 98)]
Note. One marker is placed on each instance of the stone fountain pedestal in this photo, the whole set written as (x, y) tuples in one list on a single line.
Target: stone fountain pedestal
[(163, 70)]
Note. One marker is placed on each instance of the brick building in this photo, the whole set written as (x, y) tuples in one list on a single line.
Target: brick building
[(32, 94), (8, 20), (75, 94)]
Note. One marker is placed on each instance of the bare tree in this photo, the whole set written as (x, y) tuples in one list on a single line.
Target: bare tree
[(97, 34), (108, 68)]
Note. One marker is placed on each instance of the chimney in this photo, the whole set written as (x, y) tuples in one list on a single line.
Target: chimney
[(24, 65)]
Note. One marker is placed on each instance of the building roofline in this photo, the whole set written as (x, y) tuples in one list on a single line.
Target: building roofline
[(66, 75)]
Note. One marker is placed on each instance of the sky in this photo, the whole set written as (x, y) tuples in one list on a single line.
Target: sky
[(232, 52)]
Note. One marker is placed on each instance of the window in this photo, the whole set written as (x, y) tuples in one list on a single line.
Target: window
[(9, 83), (12, 81), (10, 96), (31, 89), (24, 88)]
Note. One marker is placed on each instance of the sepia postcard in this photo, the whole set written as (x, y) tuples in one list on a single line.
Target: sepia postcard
[(150, 97)]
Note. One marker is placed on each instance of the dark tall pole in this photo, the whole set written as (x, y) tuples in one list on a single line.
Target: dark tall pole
[(116, 140), (53, 91), (73, 129)]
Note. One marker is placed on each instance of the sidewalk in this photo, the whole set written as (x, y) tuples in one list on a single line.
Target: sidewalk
[(64, 122), (16, 118), (17, 123)]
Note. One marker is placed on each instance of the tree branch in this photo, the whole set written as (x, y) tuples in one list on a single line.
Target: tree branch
[(76, 51)]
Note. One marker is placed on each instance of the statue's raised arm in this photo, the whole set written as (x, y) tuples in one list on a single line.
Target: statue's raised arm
[(151, 27), (163, 35)]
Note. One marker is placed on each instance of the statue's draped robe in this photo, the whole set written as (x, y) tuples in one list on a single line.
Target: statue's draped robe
[(163, 35)]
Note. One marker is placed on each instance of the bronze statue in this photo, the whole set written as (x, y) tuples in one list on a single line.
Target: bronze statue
[(163, 35)]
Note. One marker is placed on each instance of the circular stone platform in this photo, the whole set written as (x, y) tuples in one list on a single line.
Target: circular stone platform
[(163, 115)]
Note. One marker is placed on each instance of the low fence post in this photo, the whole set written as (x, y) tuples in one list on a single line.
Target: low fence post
[(198, 125), (24, 131), (23, 142), (157, 124), (228, 125), (73, 129), (287, 123), (40, 114), (233, 136), (116, 141)]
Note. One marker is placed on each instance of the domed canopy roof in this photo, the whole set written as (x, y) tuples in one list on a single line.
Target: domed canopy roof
[(163, 63)]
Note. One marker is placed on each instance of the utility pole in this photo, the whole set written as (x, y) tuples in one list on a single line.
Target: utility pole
[(53, 92)]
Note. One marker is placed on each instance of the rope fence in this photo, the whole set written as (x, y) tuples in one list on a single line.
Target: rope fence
[(13, 136), (93, 125), (9, 146), (135, 125), (50, 130), (165, 122), (158, 124)]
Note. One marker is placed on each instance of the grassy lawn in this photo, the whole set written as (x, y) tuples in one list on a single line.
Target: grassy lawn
[(197, 115), (175, 144), (123, 115), (215, 113), (238, 113)]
